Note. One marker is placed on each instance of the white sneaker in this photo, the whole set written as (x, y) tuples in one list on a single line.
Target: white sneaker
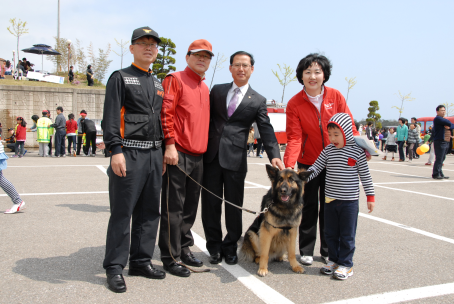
[(306, 260), (16, 207), (329, 268), (342, 272), (325, 259)]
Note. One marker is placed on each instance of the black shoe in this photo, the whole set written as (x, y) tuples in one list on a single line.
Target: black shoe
[(215, 258), (231, 259), (191, 260), (147, 271), (445, 177), (116, 283), (177, 270), (437, 177)]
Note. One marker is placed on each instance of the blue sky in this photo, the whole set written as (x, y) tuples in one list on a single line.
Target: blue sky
[(387, 45)]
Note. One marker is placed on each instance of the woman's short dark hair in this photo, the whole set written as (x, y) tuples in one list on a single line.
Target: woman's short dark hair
[(71, 116), (35, 117), (8, 63), (307, 61), (440, 106), (242, 53)]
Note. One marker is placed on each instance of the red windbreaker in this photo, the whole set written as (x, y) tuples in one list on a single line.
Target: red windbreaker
[(307, 134), (185, 113), (21, 133), (71, 126)]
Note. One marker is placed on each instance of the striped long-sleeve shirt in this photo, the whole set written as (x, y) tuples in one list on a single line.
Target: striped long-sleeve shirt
[(344, 166)]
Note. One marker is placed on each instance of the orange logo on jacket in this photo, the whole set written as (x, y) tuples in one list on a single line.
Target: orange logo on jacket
[(160, 93)]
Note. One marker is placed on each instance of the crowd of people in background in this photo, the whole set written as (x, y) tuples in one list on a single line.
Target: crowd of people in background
[(80, 135)]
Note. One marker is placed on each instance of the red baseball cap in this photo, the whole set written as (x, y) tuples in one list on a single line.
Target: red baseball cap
[(201, 45)]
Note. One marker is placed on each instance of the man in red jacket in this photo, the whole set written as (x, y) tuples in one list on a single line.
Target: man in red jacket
[(185, 120), (308, 113)]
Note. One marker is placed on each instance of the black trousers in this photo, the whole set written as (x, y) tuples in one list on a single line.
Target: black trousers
[(60, 142), (50, 146), (136, 195), (79, 143), (441, 149), (314, 196), (230, 185), (183, 202), (90, 140), (259, 146)]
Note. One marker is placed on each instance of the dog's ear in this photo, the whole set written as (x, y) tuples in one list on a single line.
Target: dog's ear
[(304, 175), (272, 172)]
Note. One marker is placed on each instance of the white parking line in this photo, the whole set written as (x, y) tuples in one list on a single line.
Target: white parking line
[(402, 295), (417, 167), (400, 173), (260, 289), (59, 193), (414, 192), (424, 182)]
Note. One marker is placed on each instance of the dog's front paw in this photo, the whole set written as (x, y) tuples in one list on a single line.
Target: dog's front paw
[(257, 260), (262, 272), (298, 269)]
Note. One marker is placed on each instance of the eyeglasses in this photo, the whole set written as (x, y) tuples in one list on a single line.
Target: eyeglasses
[(202, 56), (147, 45), (239, 65)]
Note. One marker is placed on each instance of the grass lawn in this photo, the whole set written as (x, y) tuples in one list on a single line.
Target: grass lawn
[(82, 85)]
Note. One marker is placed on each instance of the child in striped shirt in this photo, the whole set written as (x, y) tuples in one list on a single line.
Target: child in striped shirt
[(344, 161)]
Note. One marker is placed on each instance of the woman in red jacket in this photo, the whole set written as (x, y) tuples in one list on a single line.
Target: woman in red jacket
[(21, 134), (308, 113), (71, 132)]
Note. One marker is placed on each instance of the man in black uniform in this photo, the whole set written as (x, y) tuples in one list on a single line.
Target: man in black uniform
[(90, 76), (89, 129), (133, 135)]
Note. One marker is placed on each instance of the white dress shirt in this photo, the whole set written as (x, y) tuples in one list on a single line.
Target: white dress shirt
[(316, 100), (241, 94)]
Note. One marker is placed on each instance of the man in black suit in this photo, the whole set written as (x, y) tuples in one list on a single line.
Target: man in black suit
[(233, 108)]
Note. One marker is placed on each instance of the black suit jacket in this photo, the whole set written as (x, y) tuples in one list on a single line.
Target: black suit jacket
[(228, 136)]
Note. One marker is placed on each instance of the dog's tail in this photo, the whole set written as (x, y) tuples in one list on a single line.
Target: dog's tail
[(249, 247)]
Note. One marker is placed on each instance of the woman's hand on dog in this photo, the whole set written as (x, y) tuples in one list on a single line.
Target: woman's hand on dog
[(370, 206)]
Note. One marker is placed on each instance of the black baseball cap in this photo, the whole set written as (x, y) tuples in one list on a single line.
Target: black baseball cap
[(144, 31)]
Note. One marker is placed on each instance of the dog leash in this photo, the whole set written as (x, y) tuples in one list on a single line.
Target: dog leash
[(224, 200)]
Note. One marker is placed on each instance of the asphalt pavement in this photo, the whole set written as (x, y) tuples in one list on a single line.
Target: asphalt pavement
[(53, 251)]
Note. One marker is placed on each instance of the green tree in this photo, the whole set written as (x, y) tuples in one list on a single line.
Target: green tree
[(351, 83), (373, 116), (163, 64), (17, 29), (100, 64), (76, 58), (123, 48), (403, 98), (287, 73)]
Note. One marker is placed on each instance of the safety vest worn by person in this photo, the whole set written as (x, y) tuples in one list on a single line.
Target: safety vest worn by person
[(43, 126)]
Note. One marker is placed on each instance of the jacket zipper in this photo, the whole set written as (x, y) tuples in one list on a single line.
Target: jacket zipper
[(319, 119)]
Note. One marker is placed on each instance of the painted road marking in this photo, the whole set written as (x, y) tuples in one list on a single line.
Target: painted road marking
[(59, 193), (418, 167), (400, 173), (424, 182), (402, 295), (420, 193), (260, 289)]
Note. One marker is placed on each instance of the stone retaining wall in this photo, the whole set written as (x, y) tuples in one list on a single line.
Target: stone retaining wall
[(26, 101)]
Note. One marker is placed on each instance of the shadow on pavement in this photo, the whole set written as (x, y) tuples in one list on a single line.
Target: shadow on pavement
[(84, 265), (86, 207)]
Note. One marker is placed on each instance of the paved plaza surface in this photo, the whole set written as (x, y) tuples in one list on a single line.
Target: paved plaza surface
[(53, 252)]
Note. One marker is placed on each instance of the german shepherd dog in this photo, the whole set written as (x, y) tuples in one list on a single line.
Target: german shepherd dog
[(273, 234)]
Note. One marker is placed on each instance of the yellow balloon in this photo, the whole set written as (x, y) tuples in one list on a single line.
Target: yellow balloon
[(424, 148)]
